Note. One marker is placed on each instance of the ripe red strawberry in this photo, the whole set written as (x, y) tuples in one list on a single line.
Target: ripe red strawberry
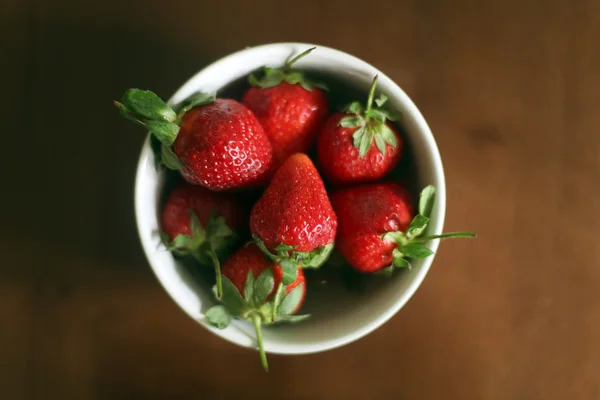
[(253, 290), (360, 145), (202, 224), (294, 217), (290, 108), (378, 228), (218, 144)]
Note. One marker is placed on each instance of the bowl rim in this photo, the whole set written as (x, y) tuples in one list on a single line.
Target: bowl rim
[(436, 227)]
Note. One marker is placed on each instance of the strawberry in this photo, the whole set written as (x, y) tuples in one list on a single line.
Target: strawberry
[(216, 143), (290, 108), (253, 291), (360, 145), (294, 218), (378, 229), (202, 224)]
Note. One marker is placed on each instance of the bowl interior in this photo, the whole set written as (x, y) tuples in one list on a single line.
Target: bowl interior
[(344, 306)]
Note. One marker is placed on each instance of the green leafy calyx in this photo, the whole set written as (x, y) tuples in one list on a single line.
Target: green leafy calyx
[(290, 260), (260, 297), (195, 100), (370, 123), (253, 305), (205, 244), (410, 244), (146, 109), (274, 76)]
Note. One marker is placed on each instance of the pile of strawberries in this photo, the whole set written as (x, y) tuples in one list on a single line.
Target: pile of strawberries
[(225, 149)]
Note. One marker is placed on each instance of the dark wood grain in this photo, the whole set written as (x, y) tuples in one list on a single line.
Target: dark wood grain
[(511, 90)]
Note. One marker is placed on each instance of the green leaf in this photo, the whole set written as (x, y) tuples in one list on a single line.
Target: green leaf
[(388, 135), (147, 105), (124, 111), (294, 77), (195, 224), (293, 318), (270, 82), (306, 85), (179, 242), (220, 238), (291, 301), (365, 142), (232, 298), (170, 159), (426, 200), (351, 122), (261, 245), (185, 244), (272, 72), (392, 115), (415, 250), (217, 227), (195, 100), (272, 77), (156, 145), (401, 263), (315, 258), (263, 286), (395, 236), (277, 300), (376, 115), (354, 108), (381, 100), (282, 247), (358, 135), (218, 316), (417, 225), (290, 271), (215, 290), (164, 131), (380, 143), (249, 286), (253, 81), (146, 109)]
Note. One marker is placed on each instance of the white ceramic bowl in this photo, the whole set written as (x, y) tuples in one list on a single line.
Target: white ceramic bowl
[(338, 316)]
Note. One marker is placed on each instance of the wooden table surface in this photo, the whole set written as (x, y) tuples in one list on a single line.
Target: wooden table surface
[(511, 90)]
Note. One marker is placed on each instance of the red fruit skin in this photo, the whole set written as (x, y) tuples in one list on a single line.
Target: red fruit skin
[(340, 160), (365, 213), (290, 115), (176, 218), (250, 258), (223, 146), (295, 209)]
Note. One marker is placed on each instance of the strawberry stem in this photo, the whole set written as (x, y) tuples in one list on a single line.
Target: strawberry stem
[(217, 266), (448, 235), (288, 65), (371, 93), (263, 357)]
